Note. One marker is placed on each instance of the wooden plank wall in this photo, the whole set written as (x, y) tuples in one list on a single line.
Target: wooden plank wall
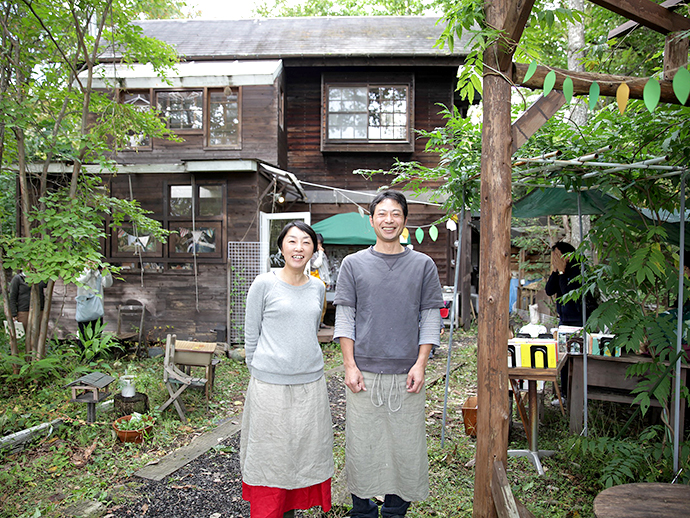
[(305, 159), (170, 301)]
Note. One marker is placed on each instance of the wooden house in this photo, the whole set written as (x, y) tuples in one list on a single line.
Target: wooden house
[(275, 116)]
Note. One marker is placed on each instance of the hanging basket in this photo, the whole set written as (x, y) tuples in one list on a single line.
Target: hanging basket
[(135, 436)]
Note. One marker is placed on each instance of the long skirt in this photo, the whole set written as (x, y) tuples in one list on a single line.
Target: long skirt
[(286, 447), (385, 439)]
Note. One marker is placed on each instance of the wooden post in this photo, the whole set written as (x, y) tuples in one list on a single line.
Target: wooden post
[(494, 272)]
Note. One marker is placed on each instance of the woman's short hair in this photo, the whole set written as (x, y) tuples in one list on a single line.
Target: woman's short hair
[(563, 247), (300, 225), (389, 194)]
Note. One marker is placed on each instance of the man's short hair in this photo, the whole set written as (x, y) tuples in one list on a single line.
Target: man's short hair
[(389, 194), (300, 225)]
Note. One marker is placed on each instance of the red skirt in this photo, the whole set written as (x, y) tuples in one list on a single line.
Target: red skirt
[(273, 502)]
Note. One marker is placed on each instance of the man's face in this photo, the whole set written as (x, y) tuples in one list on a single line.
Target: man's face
[(388, 221)]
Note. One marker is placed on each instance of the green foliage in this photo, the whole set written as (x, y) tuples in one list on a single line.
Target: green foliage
[(136, 422), (96, 343), (282, 8), (31, 371)]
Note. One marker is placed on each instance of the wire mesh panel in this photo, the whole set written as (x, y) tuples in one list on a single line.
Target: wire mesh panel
[(244, 265)]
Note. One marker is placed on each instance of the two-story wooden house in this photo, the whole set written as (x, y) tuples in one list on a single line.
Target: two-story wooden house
[(275, 116)]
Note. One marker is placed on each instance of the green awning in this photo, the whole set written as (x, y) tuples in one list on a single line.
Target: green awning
[(551, 201), (350, 228)]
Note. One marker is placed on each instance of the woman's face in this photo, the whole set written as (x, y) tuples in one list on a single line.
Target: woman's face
[(297, 249)]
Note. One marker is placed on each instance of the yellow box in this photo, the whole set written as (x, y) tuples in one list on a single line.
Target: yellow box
[(540, 354)]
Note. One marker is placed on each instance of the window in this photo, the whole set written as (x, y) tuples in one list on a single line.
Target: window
[(141, 101), (183, 110), (130, 242), (208, 202), (202, 239), (224, 117), (374, 115)]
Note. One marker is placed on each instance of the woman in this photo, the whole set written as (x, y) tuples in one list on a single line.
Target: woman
[(286, 446)]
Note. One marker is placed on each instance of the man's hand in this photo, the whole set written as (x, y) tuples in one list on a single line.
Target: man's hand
[(354, 379), (415, 378)]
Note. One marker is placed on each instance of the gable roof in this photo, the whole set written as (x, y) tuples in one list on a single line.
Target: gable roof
[(307, 37)]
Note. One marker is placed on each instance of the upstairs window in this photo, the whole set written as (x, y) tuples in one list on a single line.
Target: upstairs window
[(182, 110), (224, 118), (374, 116), (141, 101)]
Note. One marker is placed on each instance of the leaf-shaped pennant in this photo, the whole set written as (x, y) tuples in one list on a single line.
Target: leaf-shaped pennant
[(622, 96), (549, 81), (568, 89), (593, 95), (530, 71), (433, 233), (405, 234), (681, 84), (450, 225), (651, 94), (419, 235)]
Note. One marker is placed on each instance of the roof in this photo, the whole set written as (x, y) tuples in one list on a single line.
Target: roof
[(189, 74), (306, 37)]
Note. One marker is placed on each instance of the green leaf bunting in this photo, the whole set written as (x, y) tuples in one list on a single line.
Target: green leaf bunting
[(419, 235), (681, 84), (549, 81), (568, 89), (530, 70), (651, 94), (593, 95), (433, 233)]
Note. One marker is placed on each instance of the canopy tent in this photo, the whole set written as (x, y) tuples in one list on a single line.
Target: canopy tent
[(550, 201), (350, 228), (556, 200)]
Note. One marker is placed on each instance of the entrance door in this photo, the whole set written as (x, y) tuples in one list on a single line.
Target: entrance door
[(271, 225)]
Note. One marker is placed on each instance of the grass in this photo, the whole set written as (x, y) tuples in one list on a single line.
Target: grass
[(81, 461)]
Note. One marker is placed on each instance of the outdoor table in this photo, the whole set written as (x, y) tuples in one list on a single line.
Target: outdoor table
[(606, 381), (643, 501), (531, 421)]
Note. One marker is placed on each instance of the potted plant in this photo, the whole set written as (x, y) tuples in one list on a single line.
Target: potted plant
[(134, 427)]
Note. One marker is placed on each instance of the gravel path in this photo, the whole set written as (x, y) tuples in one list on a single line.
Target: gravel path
[(209, 486)]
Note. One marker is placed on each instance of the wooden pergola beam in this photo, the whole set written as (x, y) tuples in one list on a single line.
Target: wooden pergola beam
[(513, 27), (608, 84), (628, 26), (535, 117), (648, 14)]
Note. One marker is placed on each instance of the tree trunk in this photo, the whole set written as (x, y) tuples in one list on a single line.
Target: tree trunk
[(494, 273)]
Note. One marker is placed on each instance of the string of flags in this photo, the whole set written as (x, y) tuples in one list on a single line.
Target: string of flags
[(651, 93)]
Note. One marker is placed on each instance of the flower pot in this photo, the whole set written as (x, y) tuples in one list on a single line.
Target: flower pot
[(135, 436)]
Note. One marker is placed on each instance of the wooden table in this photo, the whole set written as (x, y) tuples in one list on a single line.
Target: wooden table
[(606, 381), (531, 421), (643, 501)]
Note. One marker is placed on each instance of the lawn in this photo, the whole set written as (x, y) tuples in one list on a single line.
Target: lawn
[(80, 461)]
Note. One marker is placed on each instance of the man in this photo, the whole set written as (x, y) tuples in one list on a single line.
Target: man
[(387, 320), (20, 298)]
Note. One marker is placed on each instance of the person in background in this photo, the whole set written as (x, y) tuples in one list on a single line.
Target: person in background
[(286, 443), (20, 298), (388, 317), (90, 308), (560, 282), (320, 269)]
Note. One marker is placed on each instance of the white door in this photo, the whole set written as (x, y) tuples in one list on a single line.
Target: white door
[(271, 225)]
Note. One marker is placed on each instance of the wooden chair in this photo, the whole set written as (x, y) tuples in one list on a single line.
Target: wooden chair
[(132, 335), (177, 381)]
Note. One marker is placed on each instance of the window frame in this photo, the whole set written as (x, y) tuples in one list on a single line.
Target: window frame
[(185, 131), (121, 99), (367, 145), (174, 238), (207, 118), (116, 252)]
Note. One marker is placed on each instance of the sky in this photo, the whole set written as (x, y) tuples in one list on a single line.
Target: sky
[(224, 9)]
